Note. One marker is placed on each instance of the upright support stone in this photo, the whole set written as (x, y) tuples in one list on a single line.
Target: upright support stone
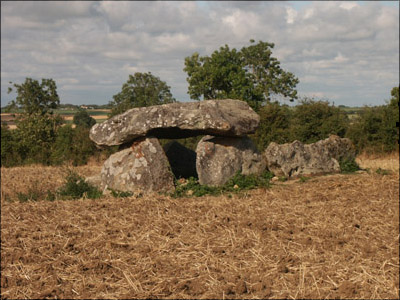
[(220, 158), (141, 167)]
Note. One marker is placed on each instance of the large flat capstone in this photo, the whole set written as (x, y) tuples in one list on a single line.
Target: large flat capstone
[(224, 117)]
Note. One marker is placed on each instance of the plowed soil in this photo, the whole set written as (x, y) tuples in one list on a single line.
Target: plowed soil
[(334, 236)]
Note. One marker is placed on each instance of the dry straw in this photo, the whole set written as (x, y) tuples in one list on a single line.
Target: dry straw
[(332, 236)]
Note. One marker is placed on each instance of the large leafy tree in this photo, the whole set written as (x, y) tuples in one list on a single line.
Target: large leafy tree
[(35, 135), (141, 89), (37, 125), (251, 74), (34, 97)]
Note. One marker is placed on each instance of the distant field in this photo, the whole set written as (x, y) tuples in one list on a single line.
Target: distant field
[(92, 112)]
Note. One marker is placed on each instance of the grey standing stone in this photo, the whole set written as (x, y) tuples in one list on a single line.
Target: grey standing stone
[(141, 167), (224, 117), (296, 159), (220, 158)]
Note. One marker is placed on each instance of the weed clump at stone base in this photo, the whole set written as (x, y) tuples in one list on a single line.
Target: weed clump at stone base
[(348, 166), (239, 182), (76, 187)]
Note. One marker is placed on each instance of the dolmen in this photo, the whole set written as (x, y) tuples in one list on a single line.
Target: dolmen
[(142, 164)]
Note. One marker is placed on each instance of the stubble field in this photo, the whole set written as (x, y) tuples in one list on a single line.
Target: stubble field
[(334, 236)]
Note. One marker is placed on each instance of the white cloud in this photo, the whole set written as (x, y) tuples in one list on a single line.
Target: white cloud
[(291, 15), (308, 13), (340, 58), (348, 5), (337, 49)]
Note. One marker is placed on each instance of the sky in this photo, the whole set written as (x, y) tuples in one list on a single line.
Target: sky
[(343, 52)]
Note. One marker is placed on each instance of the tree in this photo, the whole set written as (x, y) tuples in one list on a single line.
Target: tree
[(394, 101), (141, 89), (34, 137), (250, 74), (275, 120), (36, 126), (35, 98), (9, 157), (72, 145), (83, 119), (375, 128), (316, 120)]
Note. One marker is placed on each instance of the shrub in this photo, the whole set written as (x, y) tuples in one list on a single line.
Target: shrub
[(72, 145), (34, 137), (303, 179), (383, 172), (120, 194), (9, 155), (192, 187), (63, 145), (243, 182), (282, 178), (35, 193), (274, 125), (316, 120), (76, 187), (348, 165), (375, 129), (83, 119), (84, 147), (239, 182)]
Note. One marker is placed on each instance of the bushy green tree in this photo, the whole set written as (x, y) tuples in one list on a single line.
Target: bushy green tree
[(316, 120), (375, 128), (72, 145), (35, 98), (36, 125), (83, 119), (250, 74), (394, 101), (34, 137), (141, 89), (9, 157), (63, 145), (275, 120), (84, 146)]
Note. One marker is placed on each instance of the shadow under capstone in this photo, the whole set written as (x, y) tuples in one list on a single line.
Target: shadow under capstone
[(181, 159)]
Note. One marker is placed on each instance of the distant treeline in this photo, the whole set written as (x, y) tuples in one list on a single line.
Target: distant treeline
[(42, 139), (6, 109)]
